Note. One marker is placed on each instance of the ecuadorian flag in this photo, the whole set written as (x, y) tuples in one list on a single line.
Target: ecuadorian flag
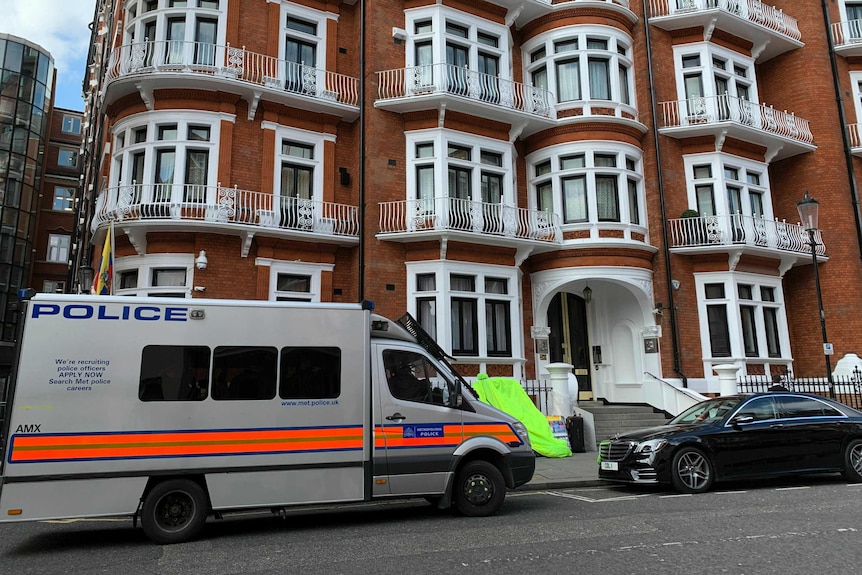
[(103, 284)]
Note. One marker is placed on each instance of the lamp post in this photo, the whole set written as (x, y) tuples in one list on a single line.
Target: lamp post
[(809, 209)]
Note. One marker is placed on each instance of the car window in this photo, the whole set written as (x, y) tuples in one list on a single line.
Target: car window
[(761, 409), (796, 407), (706, 411), (412, 377)]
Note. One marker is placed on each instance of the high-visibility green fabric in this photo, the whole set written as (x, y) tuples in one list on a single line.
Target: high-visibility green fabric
[(507, 395)]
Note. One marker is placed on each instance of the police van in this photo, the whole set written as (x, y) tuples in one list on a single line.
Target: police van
[(174, 410)]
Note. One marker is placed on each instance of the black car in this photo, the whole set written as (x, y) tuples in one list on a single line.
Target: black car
[(740, 436)]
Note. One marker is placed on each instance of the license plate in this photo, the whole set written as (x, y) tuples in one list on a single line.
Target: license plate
[(610, 466)]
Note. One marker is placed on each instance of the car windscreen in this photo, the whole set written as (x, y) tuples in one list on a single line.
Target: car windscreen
[(707, 411)]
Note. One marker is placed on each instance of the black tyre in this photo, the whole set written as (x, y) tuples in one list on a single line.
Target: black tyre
[(853, 461), (691, 471), (174, 511), (479, 489)]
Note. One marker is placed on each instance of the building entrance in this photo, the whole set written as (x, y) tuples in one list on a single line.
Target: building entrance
[(569, 341)]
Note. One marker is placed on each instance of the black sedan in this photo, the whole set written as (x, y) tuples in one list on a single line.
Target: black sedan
[(738, 437)]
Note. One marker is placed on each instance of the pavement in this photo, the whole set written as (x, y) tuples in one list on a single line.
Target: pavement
[(576, 470)]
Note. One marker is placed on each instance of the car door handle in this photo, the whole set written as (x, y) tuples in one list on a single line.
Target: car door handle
[(395, 416)]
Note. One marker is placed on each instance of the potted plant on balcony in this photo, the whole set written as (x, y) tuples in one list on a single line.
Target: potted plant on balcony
[(693, 232)]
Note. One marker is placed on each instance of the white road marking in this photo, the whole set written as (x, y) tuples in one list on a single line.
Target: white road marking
[(676, 495), (792, 488), (591, 500)]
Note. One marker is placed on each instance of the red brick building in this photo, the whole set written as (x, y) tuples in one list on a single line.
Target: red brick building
[(535, 181)]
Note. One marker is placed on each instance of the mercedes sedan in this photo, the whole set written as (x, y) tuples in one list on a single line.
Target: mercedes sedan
[(740, 437)]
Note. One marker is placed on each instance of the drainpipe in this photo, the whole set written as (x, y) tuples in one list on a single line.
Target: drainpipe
[(361, 273), (848, 155), (669, 284)]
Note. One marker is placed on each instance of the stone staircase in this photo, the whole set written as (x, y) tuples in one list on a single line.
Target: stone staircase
[(612, 419)]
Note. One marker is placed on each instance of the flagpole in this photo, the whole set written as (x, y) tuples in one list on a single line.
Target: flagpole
[(111, 263)]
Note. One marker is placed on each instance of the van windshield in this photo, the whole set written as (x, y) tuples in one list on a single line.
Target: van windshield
[(412, 377)]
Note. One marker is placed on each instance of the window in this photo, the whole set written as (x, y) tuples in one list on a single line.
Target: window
[(167, 159), (159, 275), (244, 372), (58, 248), (475, 316), (800, 407), (589, 183), (742, 315), (745, 202), (53, 286), (63, 199), (310, 373), (174, 373), (715, 82), (588, 64), (67, 158), (412, 377), (294, 281), (71, 125), (291, 287)]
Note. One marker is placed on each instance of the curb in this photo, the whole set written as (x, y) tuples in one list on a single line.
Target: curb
[(560, 484)]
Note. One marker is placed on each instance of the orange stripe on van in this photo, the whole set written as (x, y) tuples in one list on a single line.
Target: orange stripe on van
[(37, 448)]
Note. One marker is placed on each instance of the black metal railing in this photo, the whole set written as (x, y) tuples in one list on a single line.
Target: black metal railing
[(541, 392), (846, 389)]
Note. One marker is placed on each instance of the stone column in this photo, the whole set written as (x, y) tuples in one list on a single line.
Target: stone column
[(726, 378), (562, 399)]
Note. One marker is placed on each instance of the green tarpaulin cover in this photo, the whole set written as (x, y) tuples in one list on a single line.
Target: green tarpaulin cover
[(507, 395)]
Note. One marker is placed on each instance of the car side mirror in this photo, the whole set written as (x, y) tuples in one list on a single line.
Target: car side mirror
[(741, 419)]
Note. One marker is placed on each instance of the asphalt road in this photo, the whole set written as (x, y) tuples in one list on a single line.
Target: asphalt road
[(811, 527)]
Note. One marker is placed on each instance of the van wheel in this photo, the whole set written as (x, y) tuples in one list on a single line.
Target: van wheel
[(480, 489), (174, 511), (853, 461), (691, 471)]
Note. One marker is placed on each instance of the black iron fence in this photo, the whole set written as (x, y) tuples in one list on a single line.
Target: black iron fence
[(846, 389), (541, 393)]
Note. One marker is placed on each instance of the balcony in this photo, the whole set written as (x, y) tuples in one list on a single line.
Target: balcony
[(737, 234), (142, 208), (467, 221), (447, 87), (147, 66), (770, 30), (847, 38), (783, 134), (525, 11)]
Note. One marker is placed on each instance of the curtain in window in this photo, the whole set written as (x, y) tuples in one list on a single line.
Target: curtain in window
[(634, 209), (719, 335), (607, 200), (770, 319), (568, 81), (545, 197), (749, 333), (176, 40), (165, 164), (205, 40), (196, 176), (575, 199), (163, 278), (600, 80), (426, 282), (624, 85), (426, 308), (497, 328), (464, 324), (425, 187), (424, 75)]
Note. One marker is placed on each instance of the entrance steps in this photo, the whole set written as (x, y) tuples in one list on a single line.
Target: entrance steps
[(610, 419)]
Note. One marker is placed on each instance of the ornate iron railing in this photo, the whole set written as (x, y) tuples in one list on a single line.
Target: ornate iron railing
[(751, 10), (468, 216), (738, 229), (220, 205), (847, 32)]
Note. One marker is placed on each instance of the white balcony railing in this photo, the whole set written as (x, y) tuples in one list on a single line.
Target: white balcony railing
[(220, 205), (458, 81), (726, 108), (751, 10), (451, 214), (846, 33), (152, 57), (854, 133), (738, 229)]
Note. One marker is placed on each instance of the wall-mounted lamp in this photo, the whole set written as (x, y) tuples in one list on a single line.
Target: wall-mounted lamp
[(588, 294), (201, 261), (85, 278)]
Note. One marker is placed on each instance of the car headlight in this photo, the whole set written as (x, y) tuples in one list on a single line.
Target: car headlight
[(650, 446), (522, 432)]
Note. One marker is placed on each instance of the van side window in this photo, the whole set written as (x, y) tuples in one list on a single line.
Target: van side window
[(244, 372), (174, 373), (412, 377), (310, 373)]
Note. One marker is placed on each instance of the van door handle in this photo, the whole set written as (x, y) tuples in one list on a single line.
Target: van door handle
[(395, 416)]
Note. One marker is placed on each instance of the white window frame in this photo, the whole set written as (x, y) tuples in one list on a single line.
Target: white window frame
[(74, 124), (590, 149), (134, 27), (707, 51), (145, 266), (70, 200), (731, 281), (718, 161), (315, 140), (856, 84), (439, 15), (51, 286), (308, 269), (441, 138), (125, 147), (320, 18), (617, 40), (71, 154), (58, 248), (443, 300)]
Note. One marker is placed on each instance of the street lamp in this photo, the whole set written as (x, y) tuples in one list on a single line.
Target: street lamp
[(809, 209), (85, 279)]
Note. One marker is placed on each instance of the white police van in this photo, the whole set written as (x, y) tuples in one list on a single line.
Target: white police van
[(173, 410)]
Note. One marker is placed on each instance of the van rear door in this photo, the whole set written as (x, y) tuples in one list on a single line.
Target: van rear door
[(417, 427)]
